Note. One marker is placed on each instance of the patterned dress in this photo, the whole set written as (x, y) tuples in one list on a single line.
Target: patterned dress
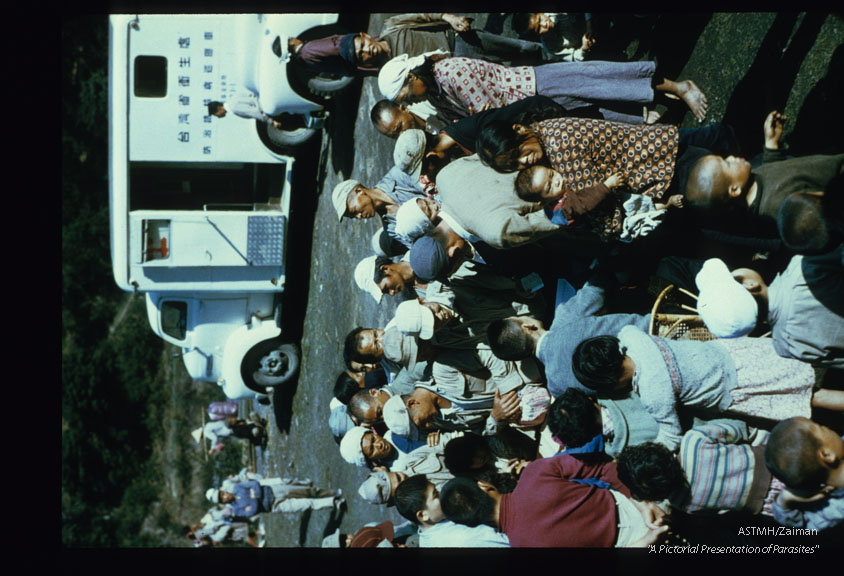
[(587, 151), (469, 84)]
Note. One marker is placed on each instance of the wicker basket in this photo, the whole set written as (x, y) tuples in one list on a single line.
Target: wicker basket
[(677, 326)]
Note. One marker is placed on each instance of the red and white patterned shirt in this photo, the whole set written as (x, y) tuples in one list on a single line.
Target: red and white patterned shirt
[(471, 84)]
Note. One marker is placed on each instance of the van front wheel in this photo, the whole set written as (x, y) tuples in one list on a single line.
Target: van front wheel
[(270, 363)]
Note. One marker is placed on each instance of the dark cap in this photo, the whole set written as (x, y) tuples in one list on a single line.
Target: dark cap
[(428, 258), (347, 49)]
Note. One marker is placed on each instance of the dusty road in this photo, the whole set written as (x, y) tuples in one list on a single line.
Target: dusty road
[(734, 58)]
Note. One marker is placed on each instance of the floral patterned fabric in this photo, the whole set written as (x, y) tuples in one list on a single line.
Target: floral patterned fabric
[(587, 151), (471, 84)]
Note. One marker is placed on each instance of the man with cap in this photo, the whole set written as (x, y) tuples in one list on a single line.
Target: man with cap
[(366, 448), (369, 346), (353, 200), (415, 34), (802, 327), (253, 496), (379, 275)]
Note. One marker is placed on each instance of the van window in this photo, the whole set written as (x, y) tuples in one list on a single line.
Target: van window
[(150, 76), (174, 319)]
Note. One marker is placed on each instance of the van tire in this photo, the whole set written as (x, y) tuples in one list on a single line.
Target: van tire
[(328, 86), (270, 363), (289, 139)]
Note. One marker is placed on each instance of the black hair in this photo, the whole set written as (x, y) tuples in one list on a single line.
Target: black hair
[(497, 146), (359, 403), (345, 387), (801, 224), (463, 502), (791, 455), (521, 25), (379, 109), (380, 261), (523, 185), (213, 106), (650, 471), (425, 72), (412, 496), (573, 418), (350, 349), (459, 452), (503, 481), (508, 341), (596, 363), (510, 443)]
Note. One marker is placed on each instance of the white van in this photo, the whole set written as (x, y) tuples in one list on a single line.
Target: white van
[(199, 205)]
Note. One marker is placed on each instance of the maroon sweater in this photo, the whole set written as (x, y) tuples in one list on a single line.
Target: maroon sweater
[(548, 510)]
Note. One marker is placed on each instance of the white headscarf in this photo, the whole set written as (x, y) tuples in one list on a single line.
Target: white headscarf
[(393, 74)]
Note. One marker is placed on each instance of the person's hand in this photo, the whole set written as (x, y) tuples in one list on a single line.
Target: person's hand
[(276, 124), (653, 515), (434, 438), (773, 129), (515, 466), (787, 498), (293, 45), (505, 407), (483, 108), (459, 23), (587, 42), (650, 538), (614, 181), (676, 201)]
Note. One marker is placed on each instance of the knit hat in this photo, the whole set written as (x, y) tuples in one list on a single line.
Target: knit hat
[(396, 417), (724, 305), (428, 258), (340, 194), (376, 488), (347, 48), (213, 495), (350, 448), (411, 222), (340, 422), (414, 318), (409, 151), (393, 74), (364, 274), (400, 348), (373, 536)]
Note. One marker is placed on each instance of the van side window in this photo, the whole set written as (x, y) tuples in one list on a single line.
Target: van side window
[(150, 76), (174, 319)]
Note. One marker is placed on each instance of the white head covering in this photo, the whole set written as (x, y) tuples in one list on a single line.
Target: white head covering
[(414, 318), (375, 243), (396, 417), (394, 73), (726, 307), (350, 448), (364, 274), (213, 495), (409, 151), (340, 194), (376, 488), (411, 221)]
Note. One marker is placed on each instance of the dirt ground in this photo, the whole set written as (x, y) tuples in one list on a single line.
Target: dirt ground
[(736, 59)]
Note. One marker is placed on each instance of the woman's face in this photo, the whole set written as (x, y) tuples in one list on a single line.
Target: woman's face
[(414, 90), (530, 150)]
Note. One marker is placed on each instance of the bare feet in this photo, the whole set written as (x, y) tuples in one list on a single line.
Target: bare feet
[(694, 98)]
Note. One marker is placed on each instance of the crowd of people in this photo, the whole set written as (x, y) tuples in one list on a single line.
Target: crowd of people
[(522, 396)]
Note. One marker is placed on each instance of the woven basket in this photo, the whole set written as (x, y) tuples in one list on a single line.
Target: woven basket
[(677, 326)]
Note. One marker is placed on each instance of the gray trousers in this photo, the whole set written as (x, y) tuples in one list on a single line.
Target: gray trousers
[(619, 89), (496, 48)]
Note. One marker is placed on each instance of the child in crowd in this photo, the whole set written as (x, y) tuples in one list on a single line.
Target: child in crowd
[(809, 459), (743, 376), (564, 36), (565, 206)]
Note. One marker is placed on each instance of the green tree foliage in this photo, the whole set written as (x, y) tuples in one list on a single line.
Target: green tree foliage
[(108, 376)]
